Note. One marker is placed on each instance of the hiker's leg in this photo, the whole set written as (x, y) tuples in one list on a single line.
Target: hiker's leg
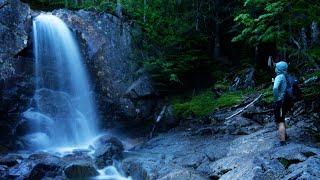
[(282, 131)]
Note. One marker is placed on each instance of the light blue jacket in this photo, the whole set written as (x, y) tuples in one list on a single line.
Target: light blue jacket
[(280, 82)]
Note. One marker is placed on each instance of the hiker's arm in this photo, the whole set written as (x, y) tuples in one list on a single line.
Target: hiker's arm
[(276, 85)]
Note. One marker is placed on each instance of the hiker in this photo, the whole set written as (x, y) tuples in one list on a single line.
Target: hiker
[(279, 91)]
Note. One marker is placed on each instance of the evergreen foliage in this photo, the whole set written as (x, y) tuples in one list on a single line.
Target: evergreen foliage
[(282, 22), (189, 44)]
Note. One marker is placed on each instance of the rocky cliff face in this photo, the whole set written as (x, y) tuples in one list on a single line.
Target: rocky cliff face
[(16, 66), (124, 92)]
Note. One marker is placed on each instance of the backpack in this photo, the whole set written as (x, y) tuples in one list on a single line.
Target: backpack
[(293, 92)]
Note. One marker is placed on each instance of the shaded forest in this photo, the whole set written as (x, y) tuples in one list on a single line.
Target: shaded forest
[(192, 46)]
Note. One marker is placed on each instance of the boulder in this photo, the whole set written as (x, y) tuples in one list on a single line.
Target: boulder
[(309, 169), (10, 160), (140, 168), (55, 104), (33, 141), (140, 88), (45, 170), (21, 171), (76, 158), (80, 170), (3, 172), (29, 119), (107, 149)]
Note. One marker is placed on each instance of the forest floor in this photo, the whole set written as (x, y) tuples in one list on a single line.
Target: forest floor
[(242, 147)]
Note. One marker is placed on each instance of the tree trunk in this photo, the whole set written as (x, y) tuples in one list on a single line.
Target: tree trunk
[(119, 8), (217, 48), (304, 39), (144, 10), (66, 3), (216, 23), (314, 33), (198, 15), (256, 53)]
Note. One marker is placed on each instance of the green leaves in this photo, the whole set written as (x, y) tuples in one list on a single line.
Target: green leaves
[(260, 21), (274, 20)]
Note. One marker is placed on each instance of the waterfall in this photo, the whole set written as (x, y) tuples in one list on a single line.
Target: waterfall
[(62, 89)]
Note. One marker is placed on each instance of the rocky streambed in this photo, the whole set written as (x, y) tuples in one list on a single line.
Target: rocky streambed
[(206, 148), (98, 161), (238, 148)]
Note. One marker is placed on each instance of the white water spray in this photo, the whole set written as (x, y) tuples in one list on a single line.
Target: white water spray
[(62, 87)]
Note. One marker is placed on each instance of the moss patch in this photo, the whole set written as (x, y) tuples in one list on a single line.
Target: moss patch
[(204, 103)]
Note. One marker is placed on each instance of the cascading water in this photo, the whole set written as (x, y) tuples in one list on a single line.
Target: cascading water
[(62, 116), (64, 113)]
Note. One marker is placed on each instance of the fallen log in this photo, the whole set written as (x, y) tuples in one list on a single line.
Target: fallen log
[(157, 121), (241, 110)]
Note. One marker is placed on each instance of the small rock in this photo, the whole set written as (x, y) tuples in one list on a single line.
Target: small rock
[(3, 171), (80, 170), (42, 170), (10, 160), (106, 149), (183, 175)]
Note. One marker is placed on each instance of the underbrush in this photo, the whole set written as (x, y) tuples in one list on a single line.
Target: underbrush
[(205, 103)]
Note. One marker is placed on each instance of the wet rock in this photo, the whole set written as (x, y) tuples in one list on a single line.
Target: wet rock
[(3, 172), (82, 158), (309, 169), (15, 68), (34, 140), (140, 88), (192, 160), (80, 170), (10, 160), (168, 120), (122, 87), (29, 119), (22, 127), (151, 167), (293, 153), (106, 149), (183, 175), (21, 170), (260, 141), (48, 166), (44, 157), (141, 168), (45, 170), (206, 131), (255, 168), (55, 104)]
